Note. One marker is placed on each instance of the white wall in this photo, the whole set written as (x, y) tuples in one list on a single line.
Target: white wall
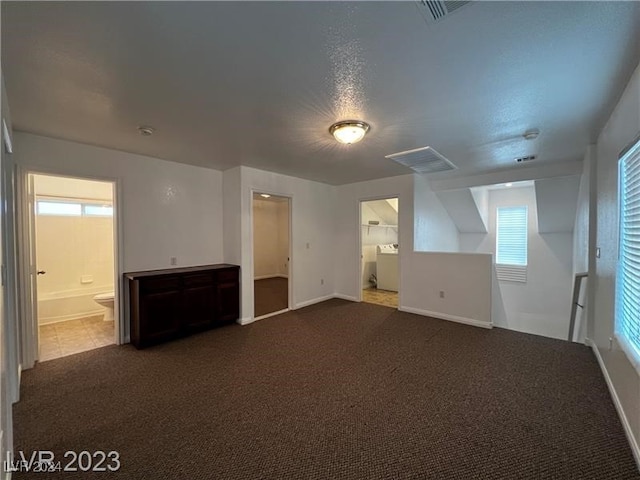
[(71, 249), (621, 129), (542, 304), (270, 238), (159, 200), (313, 250), (8, 366), (346, 246), (434, 230), (463, 279), (373, 236)]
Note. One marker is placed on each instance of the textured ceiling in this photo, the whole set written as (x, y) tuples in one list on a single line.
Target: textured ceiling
[(259, 84)]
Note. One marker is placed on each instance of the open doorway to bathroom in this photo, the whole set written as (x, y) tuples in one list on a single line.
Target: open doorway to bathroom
[(379, 251), (72, 243), (271, 254)]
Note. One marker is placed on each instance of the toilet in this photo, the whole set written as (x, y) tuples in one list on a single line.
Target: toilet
[(106, 300)]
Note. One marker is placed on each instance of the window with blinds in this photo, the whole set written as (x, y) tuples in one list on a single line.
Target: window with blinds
[(628, 271), (511, 243)]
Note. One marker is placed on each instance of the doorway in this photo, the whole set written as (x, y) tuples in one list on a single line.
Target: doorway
[(271, 253), (71, 236), (379, 251)]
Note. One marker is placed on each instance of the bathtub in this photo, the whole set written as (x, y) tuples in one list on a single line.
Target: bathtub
[(69, 305)]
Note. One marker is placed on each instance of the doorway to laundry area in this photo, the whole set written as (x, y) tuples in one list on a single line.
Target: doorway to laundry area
[(379, 251)]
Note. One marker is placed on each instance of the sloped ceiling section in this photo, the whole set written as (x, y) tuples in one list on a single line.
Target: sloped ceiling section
[(557, 200), (464, 210), (384, 210)]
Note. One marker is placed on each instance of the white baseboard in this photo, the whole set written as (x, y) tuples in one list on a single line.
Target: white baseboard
[(446, 316), (277, 275), (73, 316), (345, 297), (314, 301), (245, 321), (616, 401)]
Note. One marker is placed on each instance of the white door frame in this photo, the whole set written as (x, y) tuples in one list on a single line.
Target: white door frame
[(290, 305), (359, 237), (29, 324)]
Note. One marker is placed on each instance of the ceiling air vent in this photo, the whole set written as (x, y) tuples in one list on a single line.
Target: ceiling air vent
[(434, 10), (526, 159), (422, 160)]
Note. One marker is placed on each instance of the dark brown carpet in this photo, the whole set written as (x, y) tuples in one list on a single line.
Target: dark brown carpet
[(337, 390), (270, 295)]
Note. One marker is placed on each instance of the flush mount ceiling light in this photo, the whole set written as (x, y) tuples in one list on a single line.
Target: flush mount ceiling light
[(531, 134), (145, 131), (265, 195), (349, 131)]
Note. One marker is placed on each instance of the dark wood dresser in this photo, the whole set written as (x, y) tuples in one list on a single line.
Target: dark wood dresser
[(172, 303)]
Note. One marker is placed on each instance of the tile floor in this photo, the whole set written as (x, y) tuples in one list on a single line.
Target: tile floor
[(380, 297), (74, 336)]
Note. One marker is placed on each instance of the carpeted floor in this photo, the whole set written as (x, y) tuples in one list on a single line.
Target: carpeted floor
[(337, 390), (270, 295)]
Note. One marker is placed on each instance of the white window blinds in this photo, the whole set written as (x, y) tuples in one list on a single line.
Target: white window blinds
[(511, 242), (628, 271)]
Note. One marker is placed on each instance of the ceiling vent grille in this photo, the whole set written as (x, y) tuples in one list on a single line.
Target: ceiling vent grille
[(434, 10), (526, 159), (423, 160)]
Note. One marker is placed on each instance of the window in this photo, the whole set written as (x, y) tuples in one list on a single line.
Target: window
[(628, 271), (69, 208), (97, 210), (511, 243)]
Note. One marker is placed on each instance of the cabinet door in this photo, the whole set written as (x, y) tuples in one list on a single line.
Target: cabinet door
[(199, 308), (160, 316), (228, 302)]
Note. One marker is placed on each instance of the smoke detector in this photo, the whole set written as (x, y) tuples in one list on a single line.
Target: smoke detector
[(531, 134)]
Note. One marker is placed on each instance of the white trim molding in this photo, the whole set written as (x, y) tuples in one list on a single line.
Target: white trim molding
[(446, 316), (245, 321), (345, 297), (633, 443), (313, 301)]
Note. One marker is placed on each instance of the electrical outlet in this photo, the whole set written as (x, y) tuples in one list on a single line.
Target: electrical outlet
[(174, 260), (441, 293)]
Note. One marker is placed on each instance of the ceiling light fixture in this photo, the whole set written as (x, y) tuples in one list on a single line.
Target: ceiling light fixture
[(349, 131), (265, 195), (508, 184), (531, 134), (146, 131)]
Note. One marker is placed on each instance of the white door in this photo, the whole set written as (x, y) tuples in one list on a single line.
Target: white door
[(28, 269)]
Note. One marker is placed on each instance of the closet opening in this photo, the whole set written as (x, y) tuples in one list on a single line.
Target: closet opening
[(271, 254)]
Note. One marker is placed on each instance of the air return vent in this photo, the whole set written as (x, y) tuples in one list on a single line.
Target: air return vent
[(422, 160), (434, 10), (526, 159)]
